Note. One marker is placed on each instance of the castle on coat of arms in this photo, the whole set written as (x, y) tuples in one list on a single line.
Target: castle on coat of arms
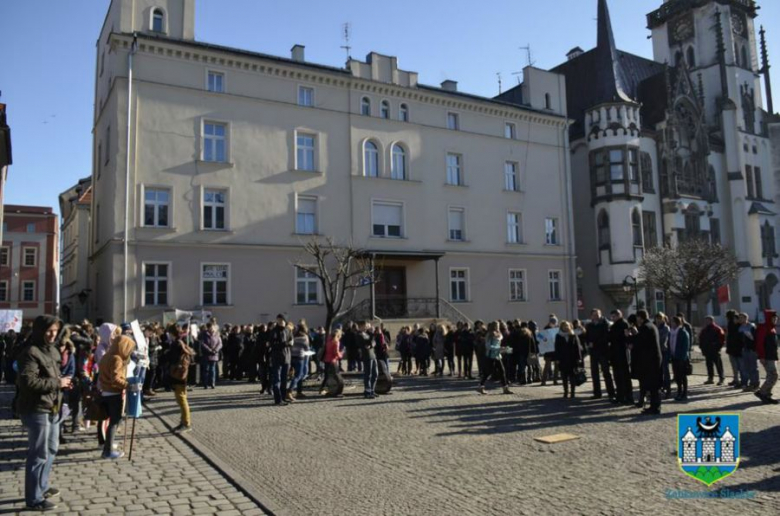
[(708, 446)]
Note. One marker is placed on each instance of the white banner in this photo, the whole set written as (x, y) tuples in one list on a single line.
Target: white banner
[(547, 340), (10, 320)]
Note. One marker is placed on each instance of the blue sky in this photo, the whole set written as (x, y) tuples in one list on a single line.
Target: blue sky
[(47, 75)]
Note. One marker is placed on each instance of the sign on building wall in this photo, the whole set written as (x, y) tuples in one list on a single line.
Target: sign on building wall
[(10, 320)]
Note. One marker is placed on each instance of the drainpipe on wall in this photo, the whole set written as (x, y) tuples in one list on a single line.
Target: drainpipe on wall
[(125, 250)]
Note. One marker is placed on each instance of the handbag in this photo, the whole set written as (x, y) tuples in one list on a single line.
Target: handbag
[(94, 410), (688, 368), (579, 376)]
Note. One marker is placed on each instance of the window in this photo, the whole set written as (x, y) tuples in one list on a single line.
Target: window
[(554, 284), (387, 220), (547, 101), (517, 285), (214, 281), (768, 242), (156, 207), (604, 237), (4, 256), (551, 231), (633, 165), (514, 228), (454, 175), (636, 228), (616, 165), (715, 231), (156, 284), (650, 232), (398, 165), (305, 152), (214, 203), (371, 160), (306, 287), (98, 158), (384, 109), (30, 256), (455, 219), (403, 113), (692, 225), (759, 182), (28, 290), (31, 227), (305, 96), (3, 290), (510, 177), (453, 121), (459, 285), (214, 139), (510, 131), (743, 52), (365, 106), (306, 216), (691, 58), (647, 172), (107, 148), (599, 168), (749, 180), (216, 82), (158, 20)]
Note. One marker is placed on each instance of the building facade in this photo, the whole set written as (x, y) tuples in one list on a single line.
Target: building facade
[(213, 166), (75, 204), (673, 148), (6, 158), (28, 261)]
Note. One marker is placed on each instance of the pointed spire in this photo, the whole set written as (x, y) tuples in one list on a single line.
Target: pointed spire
[(608, 61)]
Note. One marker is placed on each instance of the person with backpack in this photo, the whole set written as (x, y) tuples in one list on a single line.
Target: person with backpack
[(180, 357)]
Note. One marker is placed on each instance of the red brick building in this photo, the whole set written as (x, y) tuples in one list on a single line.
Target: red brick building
[(28, 260)]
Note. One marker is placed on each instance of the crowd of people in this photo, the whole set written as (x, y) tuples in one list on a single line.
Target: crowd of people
[(70, 377)]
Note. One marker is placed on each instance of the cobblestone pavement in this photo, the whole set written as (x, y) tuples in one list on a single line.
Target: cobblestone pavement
[(434, 446), (164, 477)]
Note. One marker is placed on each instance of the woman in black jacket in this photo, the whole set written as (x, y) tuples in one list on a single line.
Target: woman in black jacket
[(569, 355)]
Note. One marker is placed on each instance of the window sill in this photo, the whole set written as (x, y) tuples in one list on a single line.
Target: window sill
[(219, 306), (388, 237), (515, 191), (309, 305), (385, 178), (460, 302), (218, 231), (156, 307), (517, 244), (295, 233), (160, 228), (227, 164), (555, 300), (518, 301), (461, 241), (552, 245), (307, 172), (456, 186)]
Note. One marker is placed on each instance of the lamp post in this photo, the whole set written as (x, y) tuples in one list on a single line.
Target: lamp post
[(631, 283)]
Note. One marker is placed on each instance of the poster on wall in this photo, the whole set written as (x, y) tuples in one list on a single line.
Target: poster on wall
[(10, 320)]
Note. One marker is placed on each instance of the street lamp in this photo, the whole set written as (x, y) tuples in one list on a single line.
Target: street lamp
[(631, 283)]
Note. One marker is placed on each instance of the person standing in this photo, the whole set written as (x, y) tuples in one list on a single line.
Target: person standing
[(210, 346), (366, 345), (179, 359), (330, 358), (767, 354), (439, 337), (644, 343), (39, 398), (749, 357), (569, 356), (492, 363), (734, 348), (550, 371), (680, 352), (300, 361), (422, 351), (666, 358), (711, 341), (465, 346), (352, 348), (281, 341), (112, 383), (597, 337)]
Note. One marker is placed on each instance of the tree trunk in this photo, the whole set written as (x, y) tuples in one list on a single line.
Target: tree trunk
[(688, 309)]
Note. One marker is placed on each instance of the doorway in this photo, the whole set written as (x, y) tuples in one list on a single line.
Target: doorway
[(390, 291)]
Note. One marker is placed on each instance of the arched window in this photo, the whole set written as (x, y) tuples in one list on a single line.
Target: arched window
[(744, 55), (678, 57), (398, 169), (547, 101), (636, 228), (403, 113), (365, 106), (691, 57), (158, 20), (371, 160), (384, 109), (603, 227)]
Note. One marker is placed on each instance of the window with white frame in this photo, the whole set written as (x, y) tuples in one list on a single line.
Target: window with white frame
[(306, 216), (453, 121), (305, 145), (403, 113), (551, 231), (514, 228), (216, 82), (398, 165), (28, 290), (31, 227), (554, 284), (510, 176), (387, 219), (510, 131), (454, 169), (5, 256), (370, 159), (158, 20), (459, 282), (305, 96), (365, 106), (4, 290), (214, 205), (30, 256), (517, 285), (384, 109), (215, 280), (306, 287), (456, 222), (214, 142), (155, 284), (156, 207)]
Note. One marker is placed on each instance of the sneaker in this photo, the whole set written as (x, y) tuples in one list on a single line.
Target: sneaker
[(747, 388), (709, 382), (114, 455), (760, 395), (177, 428), (45, 505), (720, 382), (185, 429), (52, 492)]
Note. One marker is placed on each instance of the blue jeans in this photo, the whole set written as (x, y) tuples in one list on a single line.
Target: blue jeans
[(43, 437), (370, 373), (749, 368), (279, 381), (301, 368), (208, 373)]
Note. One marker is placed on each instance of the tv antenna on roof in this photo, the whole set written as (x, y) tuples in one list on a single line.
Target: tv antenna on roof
[(498, 74), (527, 48), (347, 29)]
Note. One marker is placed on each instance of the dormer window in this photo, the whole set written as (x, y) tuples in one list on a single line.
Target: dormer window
[(158, 20)]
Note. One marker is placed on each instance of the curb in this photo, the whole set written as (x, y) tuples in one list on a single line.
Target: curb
[(230, 474)]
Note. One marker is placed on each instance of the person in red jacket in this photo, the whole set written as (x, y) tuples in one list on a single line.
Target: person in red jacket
[(711, 340)]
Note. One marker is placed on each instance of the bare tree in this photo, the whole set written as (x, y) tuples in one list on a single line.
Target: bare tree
[(689, 270), (341, 270)]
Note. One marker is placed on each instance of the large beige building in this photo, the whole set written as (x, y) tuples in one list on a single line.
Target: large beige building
[(213, 165)]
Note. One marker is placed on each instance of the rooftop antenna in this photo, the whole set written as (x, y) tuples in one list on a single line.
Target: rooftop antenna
[(498, 74), (519, 76), (347, 29), (527, 48)]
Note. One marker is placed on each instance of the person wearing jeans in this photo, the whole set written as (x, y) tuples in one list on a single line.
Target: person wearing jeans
[(38, 403), (281, 340), (366, 345), (749, 361), (210, 346), (300, 361), (112, 381)]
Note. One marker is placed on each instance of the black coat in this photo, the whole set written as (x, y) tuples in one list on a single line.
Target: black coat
[(568, 353), (281, 340), (733, 339), (646, 356), (618, 340), (597, 334)]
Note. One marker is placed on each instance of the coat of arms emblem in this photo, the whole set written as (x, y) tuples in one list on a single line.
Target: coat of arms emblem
[(708, 445)]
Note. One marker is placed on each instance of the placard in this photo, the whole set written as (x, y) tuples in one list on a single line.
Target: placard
[(10, 320), (546, 340)]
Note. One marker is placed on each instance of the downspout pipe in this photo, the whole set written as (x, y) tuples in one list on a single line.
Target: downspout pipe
[(125, 237)]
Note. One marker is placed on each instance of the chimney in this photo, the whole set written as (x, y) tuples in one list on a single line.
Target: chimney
[(574, 52), (297, 53), (449, 85)]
